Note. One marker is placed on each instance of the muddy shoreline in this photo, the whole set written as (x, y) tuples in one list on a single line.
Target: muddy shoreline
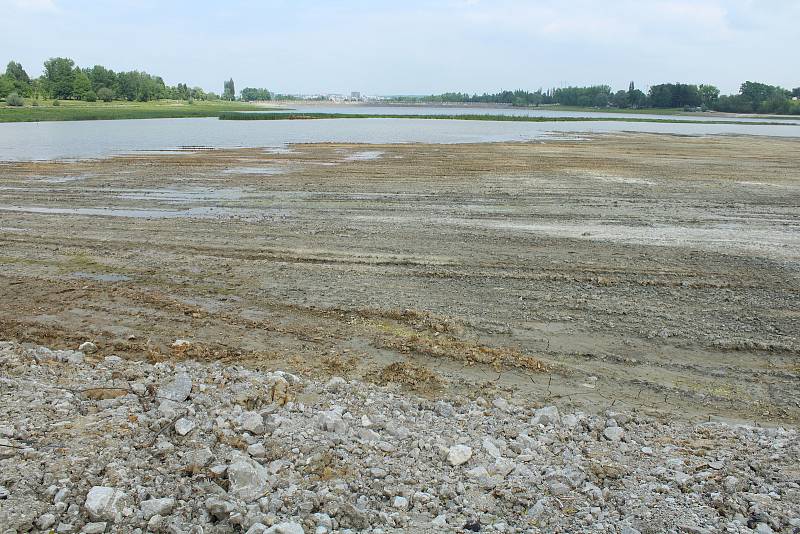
[(644, 272)]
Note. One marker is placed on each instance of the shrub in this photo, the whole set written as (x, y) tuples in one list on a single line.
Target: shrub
[(105, 94), (91, 96), (190, 100), (14, 100), (56, 102), (35, 103)]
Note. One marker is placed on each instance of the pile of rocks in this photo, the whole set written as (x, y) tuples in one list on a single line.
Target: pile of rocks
[(111, 445)]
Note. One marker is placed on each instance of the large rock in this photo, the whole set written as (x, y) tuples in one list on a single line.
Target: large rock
[(248, 479), (106, 504)]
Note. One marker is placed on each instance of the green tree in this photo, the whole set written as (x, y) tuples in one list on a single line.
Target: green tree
[(250, 94), (81, 85), (6, 85), (59, 75), (105, 94), (620, 99), (709, 95), (21, 80), (101, 77), (229, 90)]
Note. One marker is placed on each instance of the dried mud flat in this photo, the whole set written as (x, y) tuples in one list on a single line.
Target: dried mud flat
[(641, 271)]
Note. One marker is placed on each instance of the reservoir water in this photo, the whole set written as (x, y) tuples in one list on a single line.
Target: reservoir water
[(94, 139)]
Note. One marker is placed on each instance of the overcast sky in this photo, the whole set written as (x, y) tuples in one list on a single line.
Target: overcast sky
[(414, 46)]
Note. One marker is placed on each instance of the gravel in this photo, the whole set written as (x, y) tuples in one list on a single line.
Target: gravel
[(92, 445)]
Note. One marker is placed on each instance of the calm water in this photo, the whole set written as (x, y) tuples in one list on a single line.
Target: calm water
[(92, 139), (526, 112)]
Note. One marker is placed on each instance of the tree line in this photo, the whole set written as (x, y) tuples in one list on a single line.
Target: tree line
[(63, 80), (753, 97)]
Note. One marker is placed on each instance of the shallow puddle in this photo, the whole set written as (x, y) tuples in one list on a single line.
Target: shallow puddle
[(190, 213), (256, 170), (197, 194), (366, 155), (101, 277)]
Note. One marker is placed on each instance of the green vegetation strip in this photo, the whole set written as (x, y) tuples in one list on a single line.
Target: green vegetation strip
[(242, 116), (81, 111)]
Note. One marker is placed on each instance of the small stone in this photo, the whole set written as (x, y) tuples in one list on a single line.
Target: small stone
[(490, 448), (94, 528), (478, 472), (61, 496), (154, 525), (501, 404), (46, 521), (377, 472), (546, 416), (365, 434), (400, 502), (161, 507), (219, 508), (439, 521), (558, 488), (286, 528), (336, 384), (730, 483), (613, 433), (459, 454), (183, 426), (198, 458), (65, 528), (178, 390), (257, 450), (332, 421), (253, 423), (87, 347)]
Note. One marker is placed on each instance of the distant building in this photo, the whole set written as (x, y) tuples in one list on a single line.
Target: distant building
[(355, 95)]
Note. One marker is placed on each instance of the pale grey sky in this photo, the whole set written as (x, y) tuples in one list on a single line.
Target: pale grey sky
[(414, 46)]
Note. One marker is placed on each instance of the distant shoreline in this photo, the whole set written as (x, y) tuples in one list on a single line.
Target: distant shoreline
[(245, 116), (544, 107), (69, 110)]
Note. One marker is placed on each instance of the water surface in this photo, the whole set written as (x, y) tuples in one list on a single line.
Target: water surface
[(96, 139)]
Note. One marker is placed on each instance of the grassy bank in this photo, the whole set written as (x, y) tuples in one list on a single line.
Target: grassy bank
[(237, 116), (87, 111)]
